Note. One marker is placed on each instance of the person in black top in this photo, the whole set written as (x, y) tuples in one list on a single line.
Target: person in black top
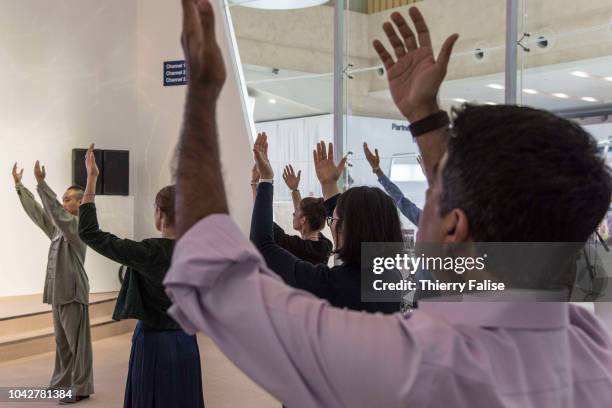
[(308, 219), (361, 214), (164, 369)]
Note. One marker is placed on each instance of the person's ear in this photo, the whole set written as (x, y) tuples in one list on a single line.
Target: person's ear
[(456, 226)]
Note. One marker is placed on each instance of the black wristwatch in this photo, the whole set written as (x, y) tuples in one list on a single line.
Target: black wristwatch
[(432, 122)]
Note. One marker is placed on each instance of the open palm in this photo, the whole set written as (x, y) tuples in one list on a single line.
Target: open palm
[(414, 75)]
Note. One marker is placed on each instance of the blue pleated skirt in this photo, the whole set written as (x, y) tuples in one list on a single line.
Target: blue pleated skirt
[(164, 370)]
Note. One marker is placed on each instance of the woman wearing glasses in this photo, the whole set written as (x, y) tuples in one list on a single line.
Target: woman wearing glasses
[(361, 214)]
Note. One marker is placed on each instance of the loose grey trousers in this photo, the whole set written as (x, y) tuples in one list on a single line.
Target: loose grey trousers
[(73, 354)]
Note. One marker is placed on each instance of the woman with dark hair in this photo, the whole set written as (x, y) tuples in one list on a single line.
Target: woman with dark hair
[(309, 216), (361, 214), (164, 369)]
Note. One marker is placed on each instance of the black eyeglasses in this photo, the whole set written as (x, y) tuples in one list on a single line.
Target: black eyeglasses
[(330, 220)]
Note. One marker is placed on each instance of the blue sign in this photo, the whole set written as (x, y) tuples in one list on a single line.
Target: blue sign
[(175, 73)]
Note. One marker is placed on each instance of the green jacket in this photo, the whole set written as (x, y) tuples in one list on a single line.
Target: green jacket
[(66, 280)]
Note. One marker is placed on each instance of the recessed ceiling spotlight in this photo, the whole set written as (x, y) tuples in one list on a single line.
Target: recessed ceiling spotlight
[(271, 100), (560, 95), (589, 99), (580, 74), (460, 100), (530, 91), (495, 86)]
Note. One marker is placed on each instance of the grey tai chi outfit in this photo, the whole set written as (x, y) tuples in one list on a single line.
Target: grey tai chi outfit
[(66, 289)]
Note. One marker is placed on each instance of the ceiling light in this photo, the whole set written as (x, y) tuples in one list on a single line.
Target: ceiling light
[(580, 74), (271, 100), (560, 95), (460, 100), (608, 79), (277, 4), (589, 99), (530, 91), (495, 86)]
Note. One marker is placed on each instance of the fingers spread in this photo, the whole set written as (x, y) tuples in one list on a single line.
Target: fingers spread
[(420, 26), (405, 31), (384, 56), (446, 51), (396, 43)]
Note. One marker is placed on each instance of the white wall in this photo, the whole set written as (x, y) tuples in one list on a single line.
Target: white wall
[(67, 80), (83, 71)]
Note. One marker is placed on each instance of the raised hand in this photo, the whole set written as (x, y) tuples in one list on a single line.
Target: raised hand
[(415, 76), (419, 160), (39, 172), (17, 175), (255, 176), (260, 151), (373, 159), (205, 67), (90, 163), (291, 179), (326, 169)]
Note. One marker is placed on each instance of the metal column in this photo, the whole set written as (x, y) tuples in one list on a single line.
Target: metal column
[(512, 9), (339, 82)]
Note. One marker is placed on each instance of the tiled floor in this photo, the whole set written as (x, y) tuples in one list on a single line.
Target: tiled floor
[(224, 385)]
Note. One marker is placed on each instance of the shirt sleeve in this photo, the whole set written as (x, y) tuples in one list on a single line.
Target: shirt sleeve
[(406, 207), (35, 211), (330, 204), (124, 251), (67, 223), (299, 348), (293, 270)]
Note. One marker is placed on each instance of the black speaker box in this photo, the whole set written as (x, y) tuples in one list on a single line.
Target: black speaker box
[(79, 172), (116, 172), (114, 166)]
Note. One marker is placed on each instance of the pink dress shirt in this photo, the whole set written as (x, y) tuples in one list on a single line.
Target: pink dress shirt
[(445, 354)]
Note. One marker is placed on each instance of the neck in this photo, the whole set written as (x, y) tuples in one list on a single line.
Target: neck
[(310, 235), (168, 232)]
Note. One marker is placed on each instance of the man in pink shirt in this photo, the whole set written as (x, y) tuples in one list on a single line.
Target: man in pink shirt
[(459, 354)]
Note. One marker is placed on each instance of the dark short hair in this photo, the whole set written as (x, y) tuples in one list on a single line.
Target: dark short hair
[(164, 200), (80, 190), (313, 209), (366, 214), (524, 175)]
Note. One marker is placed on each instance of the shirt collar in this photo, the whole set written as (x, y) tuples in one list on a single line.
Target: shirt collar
[(512, 309)]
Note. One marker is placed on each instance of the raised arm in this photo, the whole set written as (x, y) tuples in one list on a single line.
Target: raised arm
[(254, 181), (415, 78), (406, 207), (327, 171), (199, 184), (124, 251), (34, 210), (291, 269), (297, 347), (292, 181), (67, 223)]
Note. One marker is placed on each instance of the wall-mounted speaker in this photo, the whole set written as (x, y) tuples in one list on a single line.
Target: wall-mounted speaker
[(114, 166), (116, 172)]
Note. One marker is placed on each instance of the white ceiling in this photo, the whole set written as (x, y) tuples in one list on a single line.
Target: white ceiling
[(314, 95)]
